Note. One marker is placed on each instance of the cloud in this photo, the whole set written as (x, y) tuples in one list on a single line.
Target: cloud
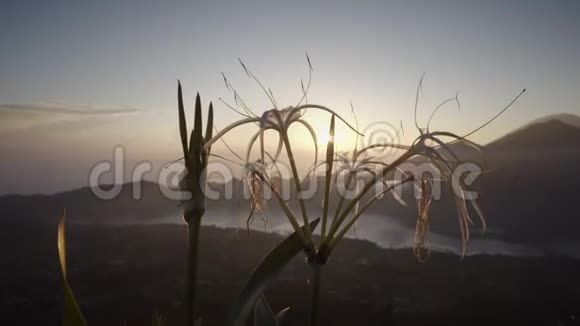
[(24, 117), (64, 109)]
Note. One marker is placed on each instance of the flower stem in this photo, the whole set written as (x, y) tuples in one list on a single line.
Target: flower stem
[(341, 201), (316, 270), (296, 178), (407, 155), (193, 226)]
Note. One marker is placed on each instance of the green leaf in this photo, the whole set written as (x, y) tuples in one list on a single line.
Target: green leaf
[(196, 134), (263, 315), (72, 314), (328, 176), (282, 317), (265, 272), (208, 135), (182, 122), (157, 320), (209, 126)]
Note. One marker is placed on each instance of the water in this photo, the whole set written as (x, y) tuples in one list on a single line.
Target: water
[(389, 233)]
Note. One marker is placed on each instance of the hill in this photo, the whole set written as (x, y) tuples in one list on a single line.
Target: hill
[(528, 189), (567, 118), (121, 275)]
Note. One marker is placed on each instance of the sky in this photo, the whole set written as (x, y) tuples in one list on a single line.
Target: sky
[(78, 78)]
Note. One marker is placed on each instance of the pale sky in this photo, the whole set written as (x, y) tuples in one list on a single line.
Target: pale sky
[(76, 78)]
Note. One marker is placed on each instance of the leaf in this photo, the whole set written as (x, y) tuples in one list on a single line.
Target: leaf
[(309, 62), (209, 125), (72, 314), (182, 122), (157, 320), (245, 68), (263, 315), (61, 244), (282, 316), (265, 272), (328, 176), (195, 142)]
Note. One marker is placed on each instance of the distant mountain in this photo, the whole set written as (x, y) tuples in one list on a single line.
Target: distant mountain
[(529, 190), (552, 135), (137, 202), (567, 118), (534, 140), (83, 205)]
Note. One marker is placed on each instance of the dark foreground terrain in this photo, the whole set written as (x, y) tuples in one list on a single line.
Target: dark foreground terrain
[(125, 274)]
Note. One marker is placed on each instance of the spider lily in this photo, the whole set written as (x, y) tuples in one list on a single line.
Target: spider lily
[(361, 163), (280, 121), (438, 152), (358, 166), (254, 175), (427, 144), (430, 144), (422, 227)]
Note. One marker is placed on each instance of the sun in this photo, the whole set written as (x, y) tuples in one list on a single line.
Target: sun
[(339, 141), (324, 138)]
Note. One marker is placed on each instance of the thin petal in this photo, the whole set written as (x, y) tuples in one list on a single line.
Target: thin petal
[(229, 128), (320, 107), (313, 135), (251, 145)]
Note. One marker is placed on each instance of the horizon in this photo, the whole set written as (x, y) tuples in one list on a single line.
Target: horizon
[(237, 175)]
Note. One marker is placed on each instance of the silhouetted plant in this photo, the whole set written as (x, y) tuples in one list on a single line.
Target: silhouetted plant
[(428, 144), (434, 146), (72, 315), (195, 155)]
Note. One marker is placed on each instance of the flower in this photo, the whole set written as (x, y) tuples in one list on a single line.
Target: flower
[(430, 145), (422, 228), (255, 175), (280, 121)]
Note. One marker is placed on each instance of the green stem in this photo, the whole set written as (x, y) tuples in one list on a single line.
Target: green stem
[(316, 270), (341, 201), (326, 241), (296, 178), (360, 212), (193, 227)]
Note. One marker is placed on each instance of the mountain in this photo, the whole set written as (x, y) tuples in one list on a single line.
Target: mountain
[(553, 136), (532, 187), (83, 205), (136, 202), (529, 187), (567, 118)]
